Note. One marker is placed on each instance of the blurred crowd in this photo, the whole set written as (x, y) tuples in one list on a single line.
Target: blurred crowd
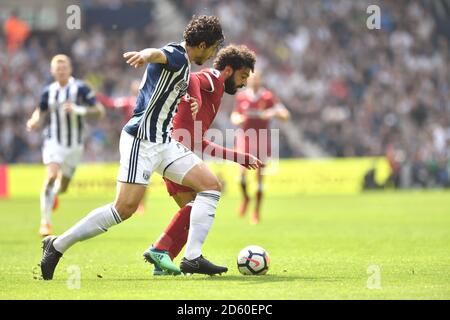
[(351, 91)]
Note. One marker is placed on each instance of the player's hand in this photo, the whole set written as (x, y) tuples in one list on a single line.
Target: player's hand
[(32, 125), (194, 107), (68, 107), (135, 59), (237, 119), (252, 162)]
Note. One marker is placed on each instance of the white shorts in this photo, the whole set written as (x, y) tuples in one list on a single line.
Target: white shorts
[(67, 158), (140, 158)]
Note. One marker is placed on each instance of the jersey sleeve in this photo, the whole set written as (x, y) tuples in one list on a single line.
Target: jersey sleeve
[(175, 57), (194, 88), (86, 95), (209, 80), (43, 104)]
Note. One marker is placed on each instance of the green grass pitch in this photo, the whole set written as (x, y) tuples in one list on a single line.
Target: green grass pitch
[(369, 246)]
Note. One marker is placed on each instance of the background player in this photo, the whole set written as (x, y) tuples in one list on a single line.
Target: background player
[(126, 103), (233, 65), (146, 146), (62, 109), (254, 109)]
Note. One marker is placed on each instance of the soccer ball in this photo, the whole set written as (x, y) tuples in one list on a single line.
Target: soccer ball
[(253, 260)]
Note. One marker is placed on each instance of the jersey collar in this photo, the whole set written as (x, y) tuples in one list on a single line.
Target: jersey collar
[(183, 45), (71, 80)]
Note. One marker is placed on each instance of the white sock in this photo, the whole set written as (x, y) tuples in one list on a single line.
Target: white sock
[(96, 222), (202, 217), (47, 199)]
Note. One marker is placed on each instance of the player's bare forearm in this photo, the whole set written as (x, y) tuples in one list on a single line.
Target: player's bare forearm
[(138, 59), (36, 120), (97, 111), (244, 159), (281, 112)]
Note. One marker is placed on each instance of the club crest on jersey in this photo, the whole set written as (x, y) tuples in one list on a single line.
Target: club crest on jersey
[(181, 87), (215, 72)]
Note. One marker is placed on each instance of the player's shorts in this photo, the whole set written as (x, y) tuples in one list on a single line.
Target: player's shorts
[(67, 158), (174, 188), (140, 158), (257, 144)]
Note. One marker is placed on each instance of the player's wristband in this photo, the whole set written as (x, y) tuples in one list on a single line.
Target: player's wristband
[(80, 110)]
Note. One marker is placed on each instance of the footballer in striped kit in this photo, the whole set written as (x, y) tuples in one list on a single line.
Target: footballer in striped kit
[(62, 110)]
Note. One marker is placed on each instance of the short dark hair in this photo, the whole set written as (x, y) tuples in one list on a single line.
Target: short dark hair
[(235, 56), (203, 29)]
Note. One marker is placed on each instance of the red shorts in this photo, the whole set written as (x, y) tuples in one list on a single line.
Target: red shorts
[(174, 188)]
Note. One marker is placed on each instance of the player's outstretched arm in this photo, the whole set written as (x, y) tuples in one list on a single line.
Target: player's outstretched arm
[(246, 160), (138, 59), (282, 112), (278, 111)]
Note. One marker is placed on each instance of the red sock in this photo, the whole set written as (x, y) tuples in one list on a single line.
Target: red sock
[(181, 238), (179, 243), (177, 226)]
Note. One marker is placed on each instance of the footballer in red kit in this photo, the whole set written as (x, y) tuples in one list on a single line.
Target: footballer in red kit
[(126, 103), (196, 112), (254, 109)]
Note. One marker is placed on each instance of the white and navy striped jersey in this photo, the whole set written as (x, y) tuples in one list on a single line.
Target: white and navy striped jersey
[(65, 128), (161, 89)]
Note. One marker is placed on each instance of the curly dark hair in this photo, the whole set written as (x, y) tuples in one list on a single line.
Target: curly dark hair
[(203, 29), (235, 56)]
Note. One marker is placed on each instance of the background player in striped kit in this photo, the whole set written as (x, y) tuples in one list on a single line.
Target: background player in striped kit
[(63, 107), (146, 146)]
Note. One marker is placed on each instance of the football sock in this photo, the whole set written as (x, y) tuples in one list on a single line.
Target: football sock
[(244, 187), (259, 195), (96, 222), (202, 217), (56, 188), (180, 239), (178, 224), (47, 198)]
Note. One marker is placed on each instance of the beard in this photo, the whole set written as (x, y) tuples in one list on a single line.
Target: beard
[(230, 85)]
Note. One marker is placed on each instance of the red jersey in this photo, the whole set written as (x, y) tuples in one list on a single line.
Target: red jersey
[(252, 106), (207, 87)]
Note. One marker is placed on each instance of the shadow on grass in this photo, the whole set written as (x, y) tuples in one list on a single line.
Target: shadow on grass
[(237, 278), (261, 279)]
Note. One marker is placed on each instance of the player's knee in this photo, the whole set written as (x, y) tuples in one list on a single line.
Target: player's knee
[(126, 209), (213, 184)]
